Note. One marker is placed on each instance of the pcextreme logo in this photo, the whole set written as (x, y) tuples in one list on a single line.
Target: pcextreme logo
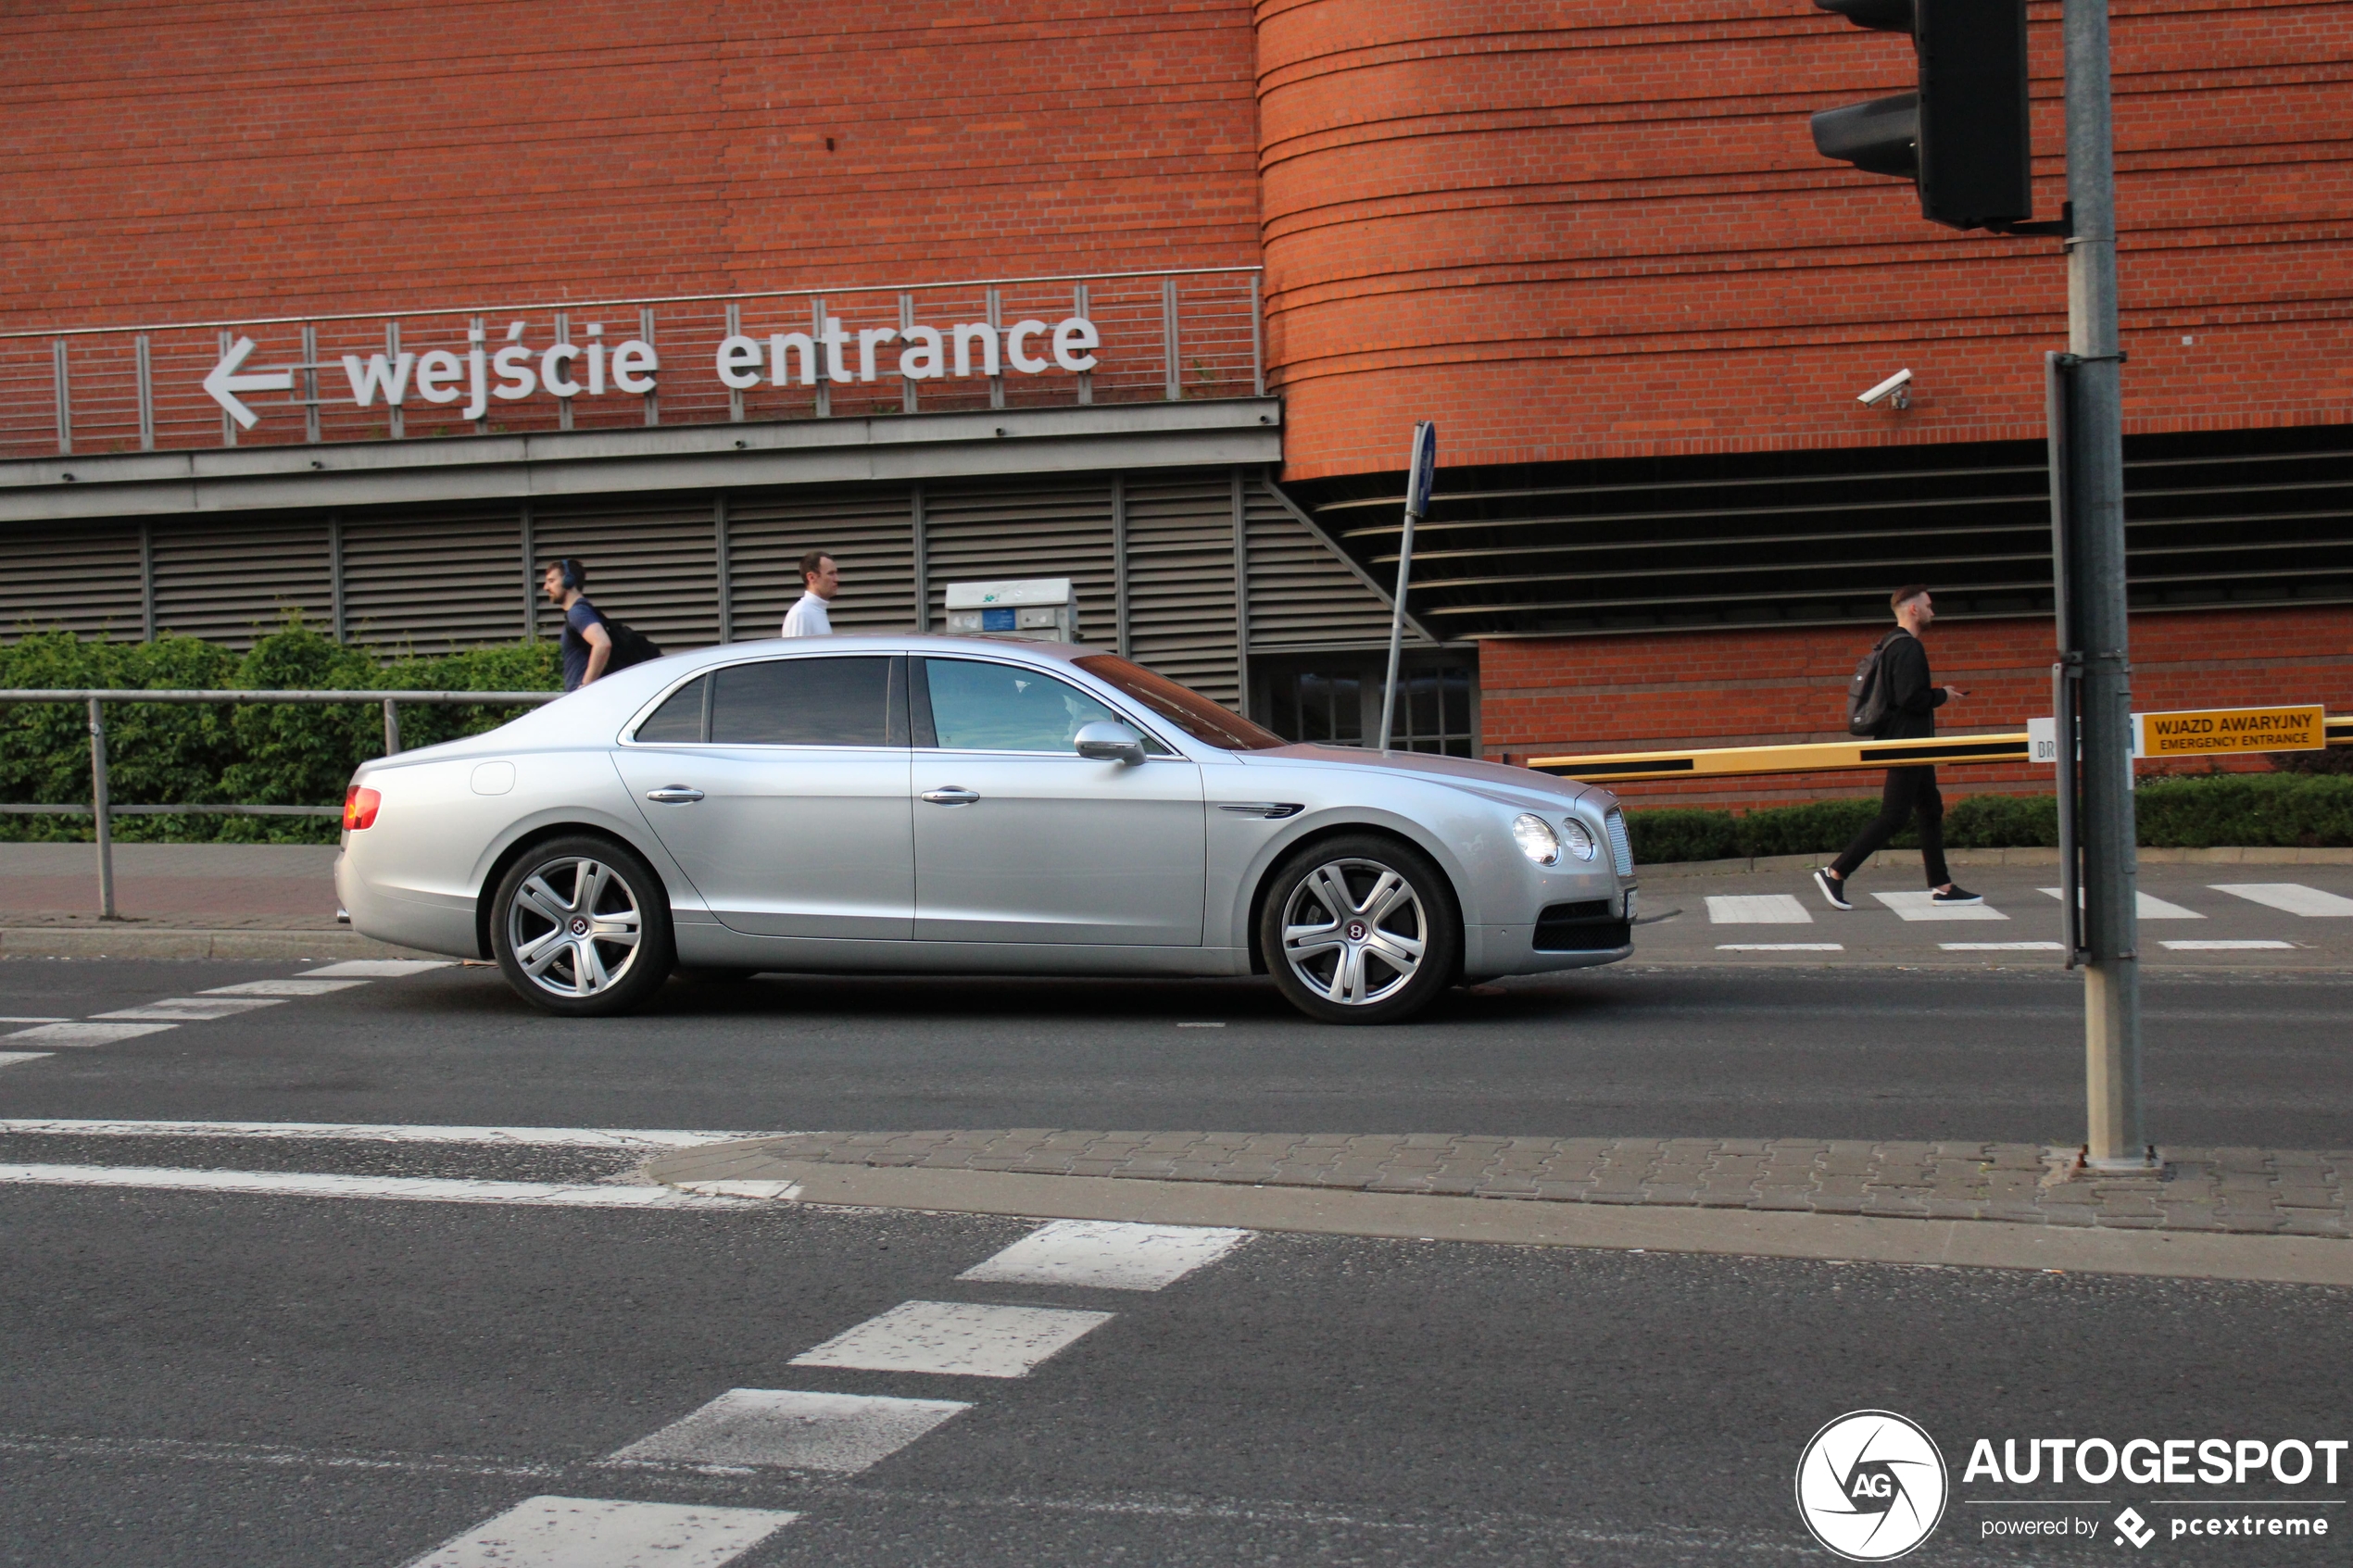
[(1871, 1486)]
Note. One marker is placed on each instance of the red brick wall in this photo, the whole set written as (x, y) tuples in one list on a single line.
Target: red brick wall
[(1568, 231), (184, 160), (1652, 692)]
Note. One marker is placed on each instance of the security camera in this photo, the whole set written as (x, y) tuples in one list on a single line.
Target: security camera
[(1896, 386)]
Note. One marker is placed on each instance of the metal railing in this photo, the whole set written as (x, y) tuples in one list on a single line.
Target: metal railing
[(600, 364), (103, 808)]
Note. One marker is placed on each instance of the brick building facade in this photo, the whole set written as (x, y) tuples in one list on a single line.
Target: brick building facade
[(1594, 245)]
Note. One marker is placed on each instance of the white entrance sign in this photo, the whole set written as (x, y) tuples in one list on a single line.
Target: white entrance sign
[(518, 369)]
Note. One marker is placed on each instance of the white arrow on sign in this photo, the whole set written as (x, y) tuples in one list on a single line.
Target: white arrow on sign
[(224, 384)]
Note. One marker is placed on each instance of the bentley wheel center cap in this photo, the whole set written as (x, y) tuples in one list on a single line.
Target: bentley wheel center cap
[(1358, 931), (580, 925)]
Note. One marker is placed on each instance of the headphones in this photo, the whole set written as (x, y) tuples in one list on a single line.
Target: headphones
[(571, 573)]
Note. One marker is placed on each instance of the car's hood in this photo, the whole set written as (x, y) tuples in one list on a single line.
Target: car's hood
[(1516, 786)]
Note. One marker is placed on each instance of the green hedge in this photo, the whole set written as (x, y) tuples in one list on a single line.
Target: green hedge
[(292, 755), (2263, 809)]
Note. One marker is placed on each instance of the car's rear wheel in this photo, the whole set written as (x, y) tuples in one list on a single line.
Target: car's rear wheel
[(1361, 929), (581, 927)]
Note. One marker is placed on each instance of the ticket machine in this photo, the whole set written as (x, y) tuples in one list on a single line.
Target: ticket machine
[(1031, 609)]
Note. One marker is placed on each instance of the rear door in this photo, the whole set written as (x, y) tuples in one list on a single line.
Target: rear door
[(1018, 838), (781, 788)]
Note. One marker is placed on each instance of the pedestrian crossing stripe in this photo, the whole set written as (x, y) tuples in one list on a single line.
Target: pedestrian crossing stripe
[(2292, 897)]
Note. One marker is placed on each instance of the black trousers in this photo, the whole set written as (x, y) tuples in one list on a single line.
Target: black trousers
[(1908, 790)]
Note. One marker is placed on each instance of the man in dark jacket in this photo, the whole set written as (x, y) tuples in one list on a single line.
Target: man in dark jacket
[(1912, 703)]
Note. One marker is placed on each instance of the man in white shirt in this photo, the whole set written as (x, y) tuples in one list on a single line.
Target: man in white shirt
[(807, 618)]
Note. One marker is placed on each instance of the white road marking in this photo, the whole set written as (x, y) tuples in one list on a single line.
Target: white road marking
[(1106, 1255), (1923, 906), (29, 1018), (595, 1533), (843, 1433), (376, 968), (362, 1131), (2003, 947), (1200, 1026), (960, 1337), (9, 1058), (2292, 897), (1781, 946), (303, 986), (1756, 908), (414, 1189), (2227, 946), (86, 1033), (197, 1009), (784, 1191), (2150, 906)]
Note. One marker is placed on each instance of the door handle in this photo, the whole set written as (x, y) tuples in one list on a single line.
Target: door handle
[(950, 794), (673, 795)]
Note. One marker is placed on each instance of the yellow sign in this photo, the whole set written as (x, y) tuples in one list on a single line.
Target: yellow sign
[(2233, 729)]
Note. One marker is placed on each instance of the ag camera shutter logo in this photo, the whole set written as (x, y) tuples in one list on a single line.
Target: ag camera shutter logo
[(1871, 1486)]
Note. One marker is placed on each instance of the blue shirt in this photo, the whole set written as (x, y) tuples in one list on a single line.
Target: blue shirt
[(577, 619)]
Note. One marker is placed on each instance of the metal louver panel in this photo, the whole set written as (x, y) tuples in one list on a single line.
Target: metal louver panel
[(1304, 593), (1180, 580), (434, 579), (231, 581), (80, 579), (653, 562), (868, 530), (975, 533)]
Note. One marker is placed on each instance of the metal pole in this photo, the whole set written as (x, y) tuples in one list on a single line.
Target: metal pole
[(1397, 630), (101, 806), (392, 727), (2115, 1137)]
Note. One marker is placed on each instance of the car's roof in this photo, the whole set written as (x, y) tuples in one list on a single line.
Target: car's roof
[(901, 642)]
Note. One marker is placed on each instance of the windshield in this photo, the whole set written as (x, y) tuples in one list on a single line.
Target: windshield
[(1189, 711)]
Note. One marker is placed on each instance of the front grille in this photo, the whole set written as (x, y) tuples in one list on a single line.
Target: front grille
[(1586, 926), (1621, 847)]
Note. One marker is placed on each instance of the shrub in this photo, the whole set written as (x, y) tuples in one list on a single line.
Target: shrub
[(160, 753)]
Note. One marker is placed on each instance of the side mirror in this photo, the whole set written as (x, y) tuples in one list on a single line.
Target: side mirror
[(1104, 741)]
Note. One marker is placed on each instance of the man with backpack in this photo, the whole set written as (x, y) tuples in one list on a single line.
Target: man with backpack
[(593, 646), (1889, 698)]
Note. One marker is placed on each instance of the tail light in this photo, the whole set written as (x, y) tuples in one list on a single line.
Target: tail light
[(359, 806)]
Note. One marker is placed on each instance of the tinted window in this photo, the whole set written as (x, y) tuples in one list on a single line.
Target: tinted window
[(978, 707), (803, 702), (679, 721)]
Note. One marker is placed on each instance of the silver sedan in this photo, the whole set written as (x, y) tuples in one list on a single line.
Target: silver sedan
[(958, 805)]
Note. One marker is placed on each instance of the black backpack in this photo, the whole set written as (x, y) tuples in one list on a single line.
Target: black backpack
[(1866, 703), (629, 646)]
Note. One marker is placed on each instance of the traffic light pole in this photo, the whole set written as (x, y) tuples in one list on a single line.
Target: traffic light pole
[(2115, 1138)]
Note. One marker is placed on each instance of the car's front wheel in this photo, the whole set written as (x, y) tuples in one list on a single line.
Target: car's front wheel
[(581, 927), (1360, 929)]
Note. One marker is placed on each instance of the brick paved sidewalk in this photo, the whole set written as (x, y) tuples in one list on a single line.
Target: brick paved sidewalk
[(2247, 1191)]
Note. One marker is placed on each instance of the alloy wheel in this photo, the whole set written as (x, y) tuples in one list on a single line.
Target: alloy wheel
[(574, 926), (1354, 932)]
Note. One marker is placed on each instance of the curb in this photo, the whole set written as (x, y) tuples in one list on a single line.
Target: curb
[(92, 942), (2226, 854), (1740, 1233)]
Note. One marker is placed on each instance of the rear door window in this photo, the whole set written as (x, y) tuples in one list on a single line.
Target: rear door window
[(847, 701)]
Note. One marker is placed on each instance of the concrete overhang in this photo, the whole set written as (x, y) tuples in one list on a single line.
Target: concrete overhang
[(894, 448)]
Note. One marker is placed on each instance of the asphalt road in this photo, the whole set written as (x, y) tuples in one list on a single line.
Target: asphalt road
[(1859, 1053), (209, 1379)]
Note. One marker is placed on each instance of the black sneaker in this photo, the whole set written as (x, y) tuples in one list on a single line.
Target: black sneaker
[(1833, 889), (1955, 894)]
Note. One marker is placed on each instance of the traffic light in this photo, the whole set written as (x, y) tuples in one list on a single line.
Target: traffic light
[(1962, 137)]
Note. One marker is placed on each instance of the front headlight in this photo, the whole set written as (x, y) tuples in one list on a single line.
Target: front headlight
[(1536, 838), (1580, 841)]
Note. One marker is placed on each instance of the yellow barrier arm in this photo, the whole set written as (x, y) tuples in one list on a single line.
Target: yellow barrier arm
[(1823, 757)]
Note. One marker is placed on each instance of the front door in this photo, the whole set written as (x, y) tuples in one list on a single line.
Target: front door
[(1020, 839), (780, 787)]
